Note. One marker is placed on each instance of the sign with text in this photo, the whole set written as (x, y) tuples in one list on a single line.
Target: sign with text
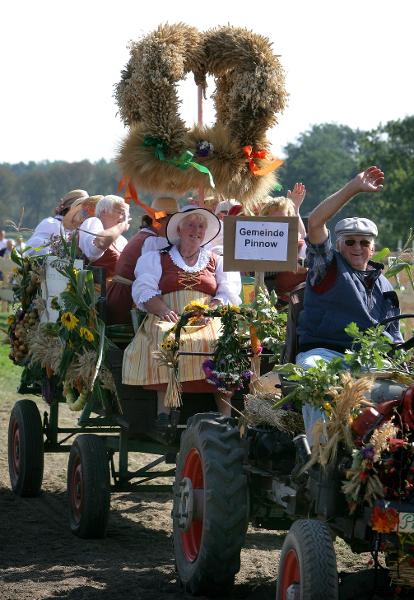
[(263, 240), (260, 243)]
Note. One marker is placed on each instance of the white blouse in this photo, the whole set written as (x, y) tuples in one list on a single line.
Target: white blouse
[(148, 273), (38, 243), (87, 233), (153, 242)]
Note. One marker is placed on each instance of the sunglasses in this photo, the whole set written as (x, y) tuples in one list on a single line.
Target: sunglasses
[(363, 243)]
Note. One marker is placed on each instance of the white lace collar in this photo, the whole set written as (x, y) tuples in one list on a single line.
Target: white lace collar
[(201, 263)]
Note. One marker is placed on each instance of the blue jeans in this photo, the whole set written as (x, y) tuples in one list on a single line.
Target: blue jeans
[(308, 359)]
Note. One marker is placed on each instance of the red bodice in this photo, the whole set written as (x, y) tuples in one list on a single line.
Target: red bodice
[(108, 260), (173, 278), (130, 254)]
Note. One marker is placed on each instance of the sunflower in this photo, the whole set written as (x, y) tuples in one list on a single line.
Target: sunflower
[(69, 320), (234, 308), (87, 334), (327, 407), (168, 343), (195, 305)]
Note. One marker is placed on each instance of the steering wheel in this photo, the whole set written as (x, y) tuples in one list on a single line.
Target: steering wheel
[(400, 345)]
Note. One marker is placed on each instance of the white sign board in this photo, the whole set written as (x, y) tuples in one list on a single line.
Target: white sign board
[(260, 244), (261, 240)]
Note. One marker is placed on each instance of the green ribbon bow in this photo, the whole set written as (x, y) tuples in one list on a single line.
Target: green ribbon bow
[(183, 162)]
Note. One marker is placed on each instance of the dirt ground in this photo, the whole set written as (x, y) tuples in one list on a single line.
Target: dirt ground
[(41, 559)]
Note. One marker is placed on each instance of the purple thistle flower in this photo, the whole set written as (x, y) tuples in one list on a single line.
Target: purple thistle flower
[(367, 453)]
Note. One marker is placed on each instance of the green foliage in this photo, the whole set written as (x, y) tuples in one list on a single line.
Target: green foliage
[(312, 384), (270, 324), (403, 262), (38, 186), (371, 349), (324, 158), (390, 146)]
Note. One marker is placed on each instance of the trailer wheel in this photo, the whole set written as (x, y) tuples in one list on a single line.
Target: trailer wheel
[(88, 487), (210, 513), (307, 567), (25, 449)]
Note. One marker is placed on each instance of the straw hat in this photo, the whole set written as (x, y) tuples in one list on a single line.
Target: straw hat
[(225, 206), (81, 209), (68, 199), (165, 204), (212, 230)]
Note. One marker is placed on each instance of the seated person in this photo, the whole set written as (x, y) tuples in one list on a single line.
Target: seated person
[(100, 237), (3, 242), (165, 282), (343, 285), (10, 245), (20, 244), (38, 243), (285, 281), (222, 210), (149, 237)]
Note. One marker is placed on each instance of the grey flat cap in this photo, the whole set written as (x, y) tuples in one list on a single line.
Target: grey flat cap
[(356, 226)]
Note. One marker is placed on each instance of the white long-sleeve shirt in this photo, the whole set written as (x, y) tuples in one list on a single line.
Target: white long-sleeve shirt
[(37, 244), (87, 233), (148, 273)]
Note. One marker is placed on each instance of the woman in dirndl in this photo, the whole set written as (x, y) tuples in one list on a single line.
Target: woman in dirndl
[(165, 282)]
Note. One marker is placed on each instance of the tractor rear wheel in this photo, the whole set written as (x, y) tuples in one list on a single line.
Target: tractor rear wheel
[(88, 487), (210, 510), (25, 449), (307, 567)]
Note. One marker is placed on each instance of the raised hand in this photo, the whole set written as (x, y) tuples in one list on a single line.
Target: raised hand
[(370, 180), (297, 195)]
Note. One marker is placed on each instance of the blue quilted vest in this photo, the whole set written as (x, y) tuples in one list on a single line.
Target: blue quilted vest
[(340, 299)]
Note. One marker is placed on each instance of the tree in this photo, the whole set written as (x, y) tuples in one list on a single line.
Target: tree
[(391, 147), (324, 159)]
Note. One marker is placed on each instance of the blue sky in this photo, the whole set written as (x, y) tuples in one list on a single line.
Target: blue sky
[(346, 62)]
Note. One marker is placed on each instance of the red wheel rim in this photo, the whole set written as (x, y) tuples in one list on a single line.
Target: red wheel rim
[(291, 572), (76, 490), (191, 539), (15, 449)]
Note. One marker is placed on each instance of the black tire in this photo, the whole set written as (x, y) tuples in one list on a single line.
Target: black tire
[(88, 487), (308, 563), (207, 543), (25, 449)]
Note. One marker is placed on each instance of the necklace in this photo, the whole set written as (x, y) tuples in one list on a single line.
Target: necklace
[(191, 255)]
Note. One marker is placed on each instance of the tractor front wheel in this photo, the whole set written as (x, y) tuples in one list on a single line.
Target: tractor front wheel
[(210, 510), (307, 567)]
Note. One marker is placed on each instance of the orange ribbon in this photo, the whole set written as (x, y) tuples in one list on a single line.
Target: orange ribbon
[(254, 340), (131, 194), (262, 154)]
